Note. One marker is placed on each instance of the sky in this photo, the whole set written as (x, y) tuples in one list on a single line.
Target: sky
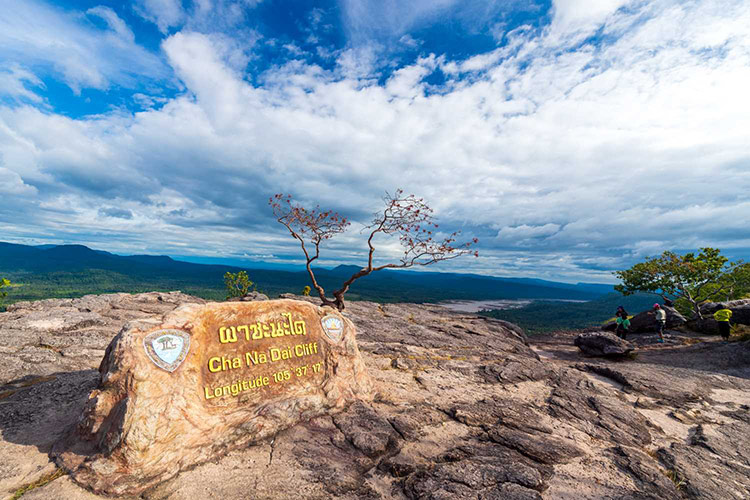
[(572, 138)]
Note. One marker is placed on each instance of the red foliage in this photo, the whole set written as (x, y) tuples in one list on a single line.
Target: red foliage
[(408, 217)]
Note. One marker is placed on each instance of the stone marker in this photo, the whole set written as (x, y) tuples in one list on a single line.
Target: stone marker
[(205, 380)]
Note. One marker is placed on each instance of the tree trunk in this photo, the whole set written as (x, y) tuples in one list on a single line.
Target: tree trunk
[(339, 302), (697, 309)]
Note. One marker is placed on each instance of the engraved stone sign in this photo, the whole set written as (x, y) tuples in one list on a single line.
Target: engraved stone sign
[(207, 379)]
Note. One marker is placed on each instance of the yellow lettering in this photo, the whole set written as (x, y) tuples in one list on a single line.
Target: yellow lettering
[(208, 396), (299, 328), (276, 330), (246, 329), (288, 329), (213, 368), (255, 358), (275, 354), (227, 334)]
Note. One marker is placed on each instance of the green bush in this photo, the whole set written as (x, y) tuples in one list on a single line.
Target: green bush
[(237, 284), (4, 282)]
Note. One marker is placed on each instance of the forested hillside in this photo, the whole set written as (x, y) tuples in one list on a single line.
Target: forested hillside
[(76, 270)]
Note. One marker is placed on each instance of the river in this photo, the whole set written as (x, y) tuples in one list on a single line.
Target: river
[(472, 306)]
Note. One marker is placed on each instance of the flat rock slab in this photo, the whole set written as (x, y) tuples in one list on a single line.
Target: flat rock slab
[(464, 409), (205, 380)]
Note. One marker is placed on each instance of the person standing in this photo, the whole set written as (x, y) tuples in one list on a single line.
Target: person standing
[(623, 323), (661, 321), (722, 318)]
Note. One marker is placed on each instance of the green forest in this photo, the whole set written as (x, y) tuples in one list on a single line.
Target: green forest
[(544, 316), (73, 271), (539, 316)]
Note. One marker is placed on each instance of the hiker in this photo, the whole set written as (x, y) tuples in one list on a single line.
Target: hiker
[(722, 318), (661, 321), (623, 323)]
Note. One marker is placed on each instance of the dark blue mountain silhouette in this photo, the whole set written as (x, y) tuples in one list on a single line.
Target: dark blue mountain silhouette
[(23, 260)]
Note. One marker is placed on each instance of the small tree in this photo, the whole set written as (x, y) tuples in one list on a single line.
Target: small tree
[(306, 291), (4, 282), (237, 284), (688, 278), (408, 217)]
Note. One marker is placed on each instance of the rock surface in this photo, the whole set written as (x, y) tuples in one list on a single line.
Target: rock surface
[(602, 344), (145, 423), (465, 408)]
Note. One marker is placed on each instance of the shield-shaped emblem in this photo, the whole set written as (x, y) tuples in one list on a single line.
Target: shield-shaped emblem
[(333, 326), (167, 348)]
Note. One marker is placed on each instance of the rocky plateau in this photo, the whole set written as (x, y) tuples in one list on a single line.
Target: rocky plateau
[(465, 407)]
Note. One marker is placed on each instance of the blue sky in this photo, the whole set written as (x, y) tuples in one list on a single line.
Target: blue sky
[(572, 138)]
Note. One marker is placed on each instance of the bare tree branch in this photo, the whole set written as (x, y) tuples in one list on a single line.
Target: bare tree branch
[(407, 217)]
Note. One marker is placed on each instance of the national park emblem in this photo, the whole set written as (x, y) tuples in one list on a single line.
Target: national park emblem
[(167, 348), (333, 327)]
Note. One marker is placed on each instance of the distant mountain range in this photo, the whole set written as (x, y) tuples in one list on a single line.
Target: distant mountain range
[(54, 270)]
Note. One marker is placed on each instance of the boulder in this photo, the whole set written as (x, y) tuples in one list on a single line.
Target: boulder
[(645, 321), (706, 326), (205, 380), (602, 344), (740, 310), (250, 297), (709, 326)]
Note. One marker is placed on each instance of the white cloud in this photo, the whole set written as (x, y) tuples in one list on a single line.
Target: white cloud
[(12, 184), (407, 82), (526, 232), (481, 61), (293, 49), (386, 22), (164, 13), (217, 16), (565, 162), (368, 19), (573, 16), (48, 40), (408, 41), (114, 22), (15, 82)]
